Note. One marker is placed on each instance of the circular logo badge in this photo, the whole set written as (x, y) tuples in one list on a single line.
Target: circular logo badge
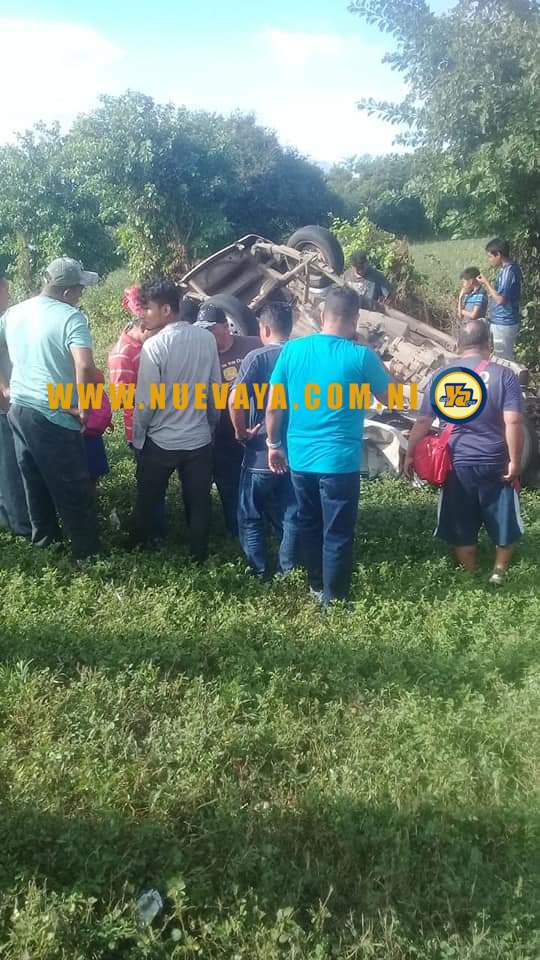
[(458, 395)]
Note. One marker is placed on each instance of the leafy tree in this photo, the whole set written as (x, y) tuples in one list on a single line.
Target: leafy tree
[(473, 106), (382, 186), (271, 189), (159, 176), (44, 212), (177, 184)]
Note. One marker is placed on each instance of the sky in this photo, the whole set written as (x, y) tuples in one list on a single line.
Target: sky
[(299, 65)]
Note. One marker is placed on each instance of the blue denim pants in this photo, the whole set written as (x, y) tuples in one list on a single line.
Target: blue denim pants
[(327, 511), (267, 500), (13, 509)]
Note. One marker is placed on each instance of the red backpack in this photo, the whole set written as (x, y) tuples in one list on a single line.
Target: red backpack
[(99, 419), (431, 458)]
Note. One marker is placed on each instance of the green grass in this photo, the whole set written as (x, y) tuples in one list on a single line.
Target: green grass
[(442, 261), (359, 785)]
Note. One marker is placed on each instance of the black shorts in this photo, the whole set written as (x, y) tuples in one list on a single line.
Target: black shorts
[(474, 496)]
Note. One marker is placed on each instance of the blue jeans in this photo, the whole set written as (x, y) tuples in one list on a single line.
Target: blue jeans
[(54, 468), (13, 509), (504, 339), (267, 499), (327, 511)]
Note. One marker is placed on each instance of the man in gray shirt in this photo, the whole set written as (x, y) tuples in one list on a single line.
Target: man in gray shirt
[(175, 415)]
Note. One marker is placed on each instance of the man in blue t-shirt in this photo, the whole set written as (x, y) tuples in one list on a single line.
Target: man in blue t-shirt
[(505, 295), (266, 498), (481, 488), (319, 379)]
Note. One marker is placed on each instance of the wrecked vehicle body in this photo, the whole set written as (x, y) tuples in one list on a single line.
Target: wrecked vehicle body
[(244, 276)]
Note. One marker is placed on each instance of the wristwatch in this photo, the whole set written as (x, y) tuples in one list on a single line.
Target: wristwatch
[(273, 446)]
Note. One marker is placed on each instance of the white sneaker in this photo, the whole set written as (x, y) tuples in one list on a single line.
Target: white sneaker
[(316, 595), (498, 577)]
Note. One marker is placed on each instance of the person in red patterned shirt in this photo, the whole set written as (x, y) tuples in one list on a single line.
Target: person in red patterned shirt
[(123, 360), (125, 356)]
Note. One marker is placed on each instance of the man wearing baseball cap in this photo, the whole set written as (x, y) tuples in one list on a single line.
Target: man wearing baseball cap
[(228, 453), (48, 341)]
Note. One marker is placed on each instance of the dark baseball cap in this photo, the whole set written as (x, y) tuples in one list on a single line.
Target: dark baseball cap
[(209, 315), (66, 272)]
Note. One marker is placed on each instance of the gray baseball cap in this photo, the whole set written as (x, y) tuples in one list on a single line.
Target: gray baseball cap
[(66, 272)]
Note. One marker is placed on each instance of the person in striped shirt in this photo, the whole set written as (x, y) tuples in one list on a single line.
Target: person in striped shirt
[(125, 356), (473, 301), (124, 360)]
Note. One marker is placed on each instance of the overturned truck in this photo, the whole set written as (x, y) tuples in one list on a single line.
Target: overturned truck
[(244, 276)]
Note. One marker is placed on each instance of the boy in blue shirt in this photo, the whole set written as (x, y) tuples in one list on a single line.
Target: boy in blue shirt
[(505, 295), (318, 377), (473, 301)]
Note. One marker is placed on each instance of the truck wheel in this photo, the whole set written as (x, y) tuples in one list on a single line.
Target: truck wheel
[(241, 319), (325, 244)]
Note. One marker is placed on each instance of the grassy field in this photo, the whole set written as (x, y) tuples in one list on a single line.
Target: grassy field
[(358, 785), (441, 263), (443, 260)]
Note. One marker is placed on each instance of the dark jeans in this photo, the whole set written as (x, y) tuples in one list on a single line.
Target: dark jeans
[(194, 468), (160, 508), (13, 509), (226, 474), (54, 468), (327, 511), (267, 499)]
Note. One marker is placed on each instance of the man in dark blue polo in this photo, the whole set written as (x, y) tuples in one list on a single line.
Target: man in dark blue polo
[(266, 499)]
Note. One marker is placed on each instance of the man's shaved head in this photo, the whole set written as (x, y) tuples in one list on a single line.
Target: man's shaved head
[(474, 333)]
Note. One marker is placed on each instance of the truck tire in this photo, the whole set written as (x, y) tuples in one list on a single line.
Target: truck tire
[(318, 239), (241, 319)]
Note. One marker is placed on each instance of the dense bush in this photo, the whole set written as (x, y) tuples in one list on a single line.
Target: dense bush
[(386, 252)]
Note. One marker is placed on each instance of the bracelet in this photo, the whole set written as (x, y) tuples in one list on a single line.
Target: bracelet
[(273, 446)]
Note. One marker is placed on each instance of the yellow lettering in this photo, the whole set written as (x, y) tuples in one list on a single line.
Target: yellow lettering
[(395, 396), (180, 396), (122, 396), (158, 396), (90, 395), (260, 390), (334, 396), (200, 396), (359, 396), (220, 393), (60, 395), (278, 397), (312, 396), (241, 397), (413, 396)]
